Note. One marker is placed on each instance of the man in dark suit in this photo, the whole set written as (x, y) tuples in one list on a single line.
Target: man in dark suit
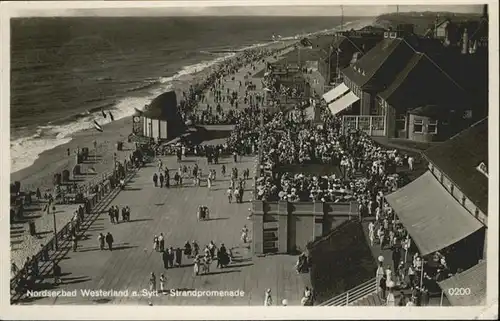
[(109, 240)]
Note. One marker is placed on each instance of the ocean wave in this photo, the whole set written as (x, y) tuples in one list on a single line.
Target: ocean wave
[(142, 87)]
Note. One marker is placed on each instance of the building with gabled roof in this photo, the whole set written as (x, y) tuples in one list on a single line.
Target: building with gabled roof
[(346, 48), (411, 96), (446, 209), (424, 103)]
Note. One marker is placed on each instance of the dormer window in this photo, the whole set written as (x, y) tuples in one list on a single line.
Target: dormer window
[(483, 169)]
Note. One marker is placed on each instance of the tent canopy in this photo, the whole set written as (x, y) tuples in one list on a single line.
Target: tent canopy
[(432, 217)]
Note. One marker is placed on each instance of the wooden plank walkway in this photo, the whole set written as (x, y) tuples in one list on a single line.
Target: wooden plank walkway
[(173, 213)]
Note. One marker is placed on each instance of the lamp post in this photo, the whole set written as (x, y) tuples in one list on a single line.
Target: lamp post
[(55, 224)]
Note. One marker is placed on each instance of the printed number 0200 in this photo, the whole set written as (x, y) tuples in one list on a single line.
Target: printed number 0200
[(459, 291)]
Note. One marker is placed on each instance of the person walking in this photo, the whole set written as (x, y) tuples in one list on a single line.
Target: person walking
[(100, 238), (162, 179), (152, 283), (109, 240), (209, 180), (178, 257), (56, 270), (163, 280), (229, 195), (244, 234), (74, 240), (411, 160), (161, 242), (171, 257), (156, 244), (124, 214), (111, 215), (117, 214), (381, 237), (383, 287), (390, 300), (155, 179), (164, 257), (167, 178), (396, 257), (268, 300), (371, 232)]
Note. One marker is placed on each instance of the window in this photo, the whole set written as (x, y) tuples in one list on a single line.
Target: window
[(401, 122), (364, 122), (377, 123), (483, 169), (418, 126), (432, 127)]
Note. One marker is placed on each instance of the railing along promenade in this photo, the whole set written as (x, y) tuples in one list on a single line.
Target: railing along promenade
[(351, 296), (95, 203)]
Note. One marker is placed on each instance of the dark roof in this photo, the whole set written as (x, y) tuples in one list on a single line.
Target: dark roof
[(163, 107), (379, 66), (458, 159), (422, 83)]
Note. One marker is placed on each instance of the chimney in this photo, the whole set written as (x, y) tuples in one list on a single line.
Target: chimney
[(465, 42)]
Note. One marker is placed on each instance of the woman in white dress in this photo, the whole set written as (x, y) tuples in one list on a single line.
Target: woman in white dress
[(268, 300), (390, 301), (163, 280), (371, 232)]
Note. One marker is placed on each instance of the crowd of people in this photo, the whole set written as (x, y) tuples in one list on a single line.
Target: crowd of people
[(359, 168), (214, 83)]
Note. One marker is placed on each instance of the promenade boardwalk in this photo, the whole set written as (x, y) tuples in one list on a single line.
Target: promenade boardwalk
[(173, 213)]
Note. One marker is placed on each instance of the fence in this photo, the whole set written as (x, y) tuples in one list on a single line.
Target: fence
[(372, 125), (91, 202), (351, 296)]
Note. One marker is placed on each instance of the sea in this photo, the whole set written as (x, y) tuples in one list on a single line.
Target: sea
[(66, 70)]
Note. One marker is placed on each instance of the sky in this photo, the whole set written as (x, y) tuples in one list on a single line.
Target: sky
[(219, 8)]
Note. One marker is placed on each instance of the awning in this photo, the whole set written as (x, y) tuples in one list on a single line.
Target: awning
[(467, 288), (343, 102), (335, 92), (432, 217)]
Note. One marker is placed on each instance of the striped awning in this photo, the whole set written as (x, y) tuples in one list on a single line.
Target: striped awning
[(432, 217), (343, 102), (335, 92), (467, 288)]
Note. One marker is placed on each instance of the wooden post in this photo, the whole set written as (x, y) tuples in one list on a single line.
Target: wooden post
[(55, 225)]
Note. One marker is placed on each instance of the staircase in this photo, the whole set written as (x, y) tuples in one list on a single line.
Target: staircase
[(270, 237), (364, 294)]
